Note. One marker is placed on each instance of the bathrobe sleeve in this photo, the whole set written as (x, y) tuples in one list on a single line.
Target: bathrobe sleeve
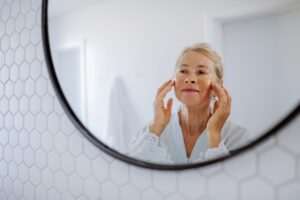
[(148, 147), (233, 137), (214, 153)]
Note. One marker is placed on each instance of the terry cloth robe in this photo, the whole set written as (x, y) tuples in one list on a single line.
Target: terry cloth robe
[(169, 148)]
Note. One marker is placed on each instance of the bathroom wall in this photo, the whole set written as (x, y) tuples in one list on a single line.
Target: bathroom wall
[(272, 41), (43, 156)]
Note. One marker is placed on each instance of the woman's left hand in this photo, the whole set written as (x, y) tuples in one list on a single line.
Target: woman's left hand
[(222, 108)]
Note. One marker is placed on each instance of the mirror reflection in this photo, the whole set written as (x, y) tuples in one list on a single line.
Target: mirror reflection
[(197, 131), (177, 82)]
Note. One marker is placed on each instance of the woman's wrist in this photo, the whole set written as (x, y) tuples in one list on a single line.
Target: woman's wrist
[(156, 129), (214, 139)]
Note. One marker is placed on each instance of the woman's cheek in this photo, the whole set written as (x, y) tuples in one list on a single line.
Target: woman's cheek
[(205, 82), (178, 82)]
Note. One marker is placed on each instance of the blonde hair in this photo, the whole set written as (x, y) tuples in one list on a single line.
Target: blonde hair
[(207, 50)]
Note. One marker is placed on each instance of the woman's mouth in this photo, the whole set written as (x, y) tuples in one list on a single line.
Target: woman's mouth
[(190, 90)]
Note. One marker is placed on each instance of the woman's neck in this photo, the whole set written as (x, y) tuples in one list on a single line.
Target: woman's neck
[(194, 119)]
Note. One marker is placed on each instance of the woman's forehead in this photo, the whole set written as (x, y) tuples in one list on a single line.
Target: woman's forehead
[(195, 59)]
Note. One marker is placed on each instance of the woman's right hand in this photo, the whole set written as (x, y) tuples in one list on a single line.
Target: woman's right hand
[(162, 114)]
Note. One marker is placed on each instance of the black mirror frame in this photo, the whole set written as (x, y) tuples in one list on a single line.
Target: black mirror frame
[(58, 90)]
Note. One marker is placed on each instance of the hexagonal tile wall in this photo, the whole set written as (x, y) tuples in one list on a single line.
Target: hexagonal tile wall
[(43, 156)]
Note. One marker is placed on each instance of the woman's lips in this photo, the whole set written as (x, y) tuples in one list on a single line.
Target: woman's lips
[(190, 90)]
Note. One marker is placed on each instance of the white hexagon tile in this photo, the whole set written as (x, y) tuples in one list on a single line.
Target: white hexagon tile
[(43, 156)]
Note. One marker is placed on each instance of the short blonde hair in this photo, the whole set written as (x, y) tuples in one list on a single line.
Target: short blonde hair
[(207, 50)]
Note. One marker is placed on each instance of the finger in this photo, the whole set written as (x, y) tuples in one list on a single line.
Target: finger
[(164, 92), (216, 106), (165, 84), (222, 104), (159, 100), (220, 93), (169, 104), (229, 99)]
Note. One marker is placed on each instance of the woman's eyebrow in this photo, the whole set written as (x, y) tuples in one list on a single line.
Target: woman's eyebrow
[(184, 65), (202, 66)]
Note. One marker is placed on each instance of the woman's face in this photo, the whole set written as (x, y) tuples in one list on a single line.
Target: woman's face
[(193, 77)]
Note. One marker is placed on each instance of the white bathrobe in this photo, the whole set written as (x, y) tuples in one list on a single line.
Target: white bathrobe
[(169, 148)]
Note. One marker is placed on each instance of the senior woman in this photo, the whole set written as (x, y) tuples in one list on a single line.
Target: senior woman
[(200, 129)]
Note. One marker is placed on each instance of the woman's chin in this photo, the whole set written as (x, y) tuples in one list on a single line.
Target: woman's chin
[(192, 102)]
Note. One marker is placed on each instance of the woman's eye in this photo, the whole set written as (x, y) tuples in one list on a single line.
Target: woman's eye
[(183, 71), (201, 72)]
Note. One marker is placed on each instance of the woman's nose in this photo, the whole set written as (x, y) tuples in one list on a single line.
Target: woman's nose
[(190, 79)]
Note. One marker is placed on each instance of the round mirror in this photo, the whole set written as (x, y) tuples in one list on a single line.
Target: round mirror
[(174, 84)]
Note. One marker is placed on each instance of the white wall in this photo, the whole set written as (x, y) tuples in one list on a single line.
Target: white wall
[(261, 67)]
